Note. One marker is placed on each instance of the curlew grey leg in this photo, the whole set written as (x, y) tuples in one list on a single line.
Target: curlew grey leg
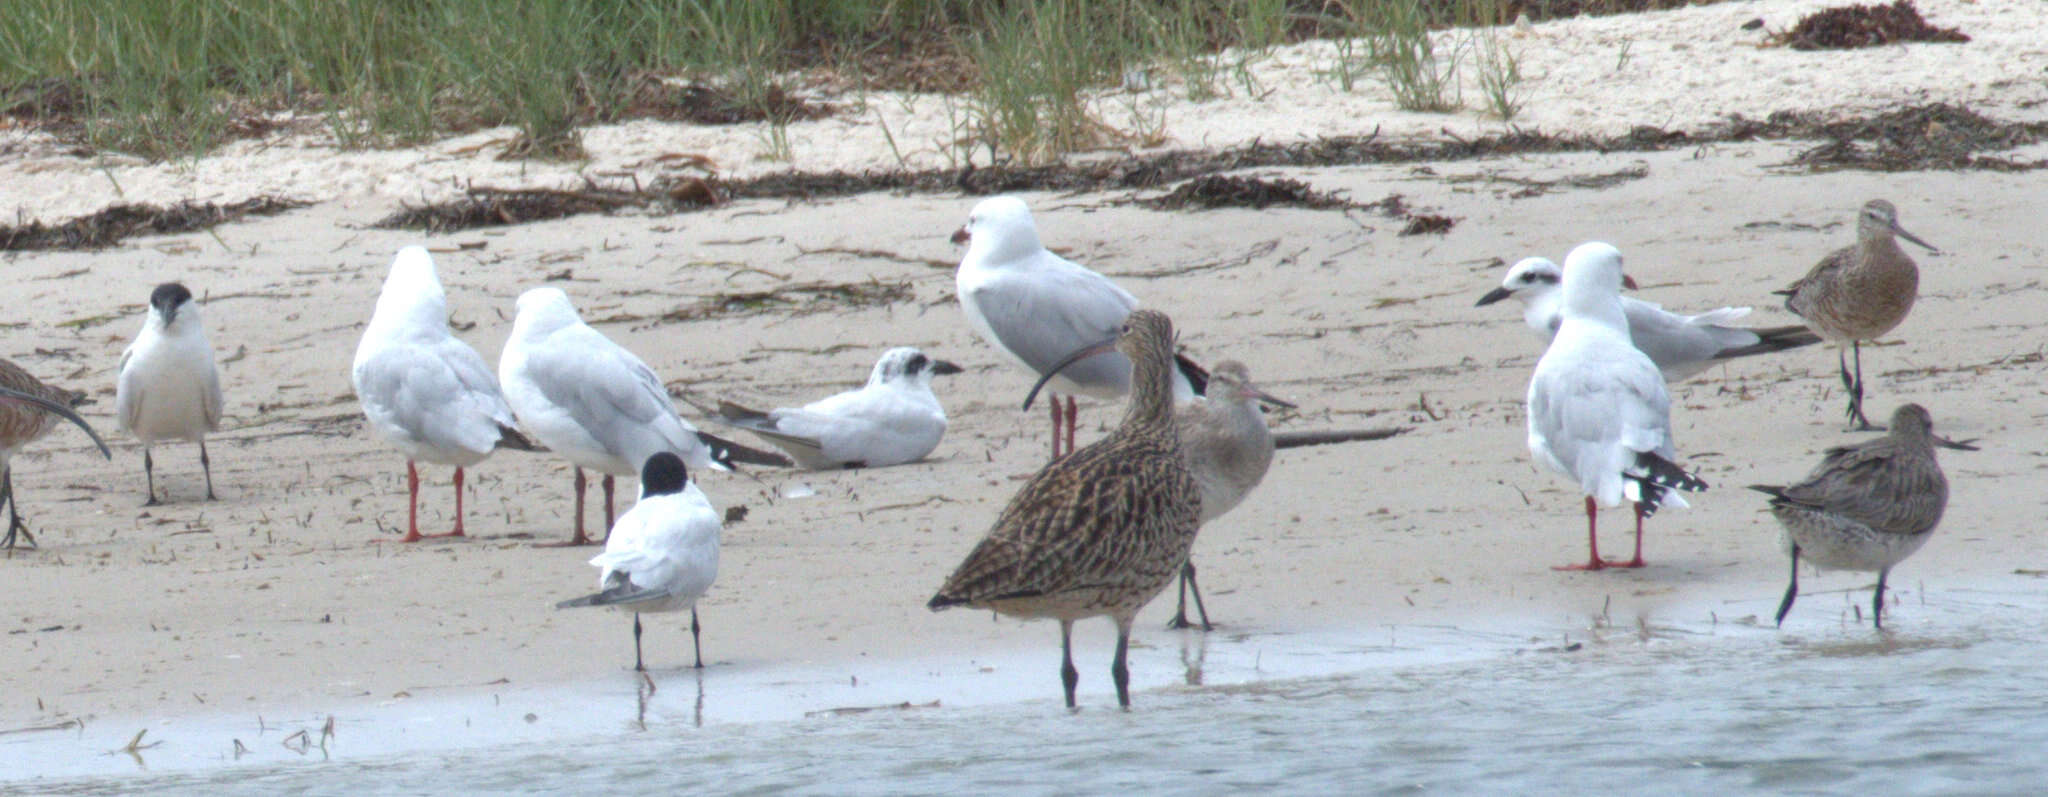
[(1068, 675), (1180, 612), (638, 664), (1593, 562), (15, 526), (1791, 590), (1118, 670), (206, 465), (149, 476), (697, 637), (1877, 601)]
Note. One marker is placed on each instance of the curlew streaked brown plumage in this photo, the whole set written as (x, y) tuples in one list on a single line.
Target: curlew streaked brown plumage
[(1229, 450), (1866, 507), (1100, 531), (28, 410), (1859, 292)]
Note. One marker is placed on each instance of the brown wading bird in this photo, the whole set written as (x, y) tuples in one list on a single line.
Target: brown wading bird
[(1860, 292), (1866, 507), (1102, 530), (28, 410), (1228, 449)]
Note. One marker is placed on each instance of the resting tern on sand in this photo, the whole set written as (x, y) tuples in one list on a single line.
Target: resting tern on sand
[(663, 553), (29, 409), (1598, 411), (892, 419), (1859, 292), (595, 404), (423, 390), (168, 388), (1036, 306), (1680, 345)]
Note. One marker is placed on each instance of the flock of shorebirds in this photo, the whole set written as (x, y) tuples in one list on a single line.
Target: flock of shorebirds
[(1102, 529)]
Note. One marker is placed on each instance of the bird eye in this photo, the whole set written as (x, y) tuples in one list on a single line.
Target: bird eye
[(917, 363)]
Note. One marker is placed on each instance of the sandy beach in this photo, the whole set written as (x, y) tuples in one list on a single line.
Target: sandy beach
[(280, 596)]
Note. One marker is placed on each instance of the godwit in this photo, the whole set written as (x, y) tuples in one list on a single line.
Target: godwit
[(1598, 411), (1228, 449), (593, 403), (1036, 306), (1860, 292), (1102, 530), (1680, 345), (1867, 506), (663, 554), (28, 410), (891, 420), (423, 390), (168, 387)]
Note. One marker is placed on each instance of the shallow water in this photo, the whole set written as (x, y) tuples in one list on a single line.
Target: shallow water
[(1949, 702)]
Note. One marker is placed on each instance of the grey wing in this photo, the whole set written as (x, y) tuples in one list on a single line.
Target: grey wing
[(806, 449), (617, 397), (1877, 485), (475, 376), (1043, 317)]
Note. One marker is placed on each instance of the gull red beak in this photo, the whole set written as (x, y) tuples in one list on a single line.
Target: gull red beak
[(1628, 282), (961, 236)]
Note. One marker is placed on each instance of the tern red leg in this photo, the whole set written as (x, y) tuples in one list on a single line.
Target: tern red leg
[(580, 538), (1593, 561)]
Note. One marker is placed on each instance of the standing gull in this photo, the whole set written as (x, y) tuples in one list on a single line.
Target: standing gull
[(1859, 292), (1036, 306), (1229, 449), (1867, 506), (1680, 345), (891, 420), (1598, 411), (169, 388), (423, 390), (663, 553), (595, 404), (1102, 530), (28, 410)]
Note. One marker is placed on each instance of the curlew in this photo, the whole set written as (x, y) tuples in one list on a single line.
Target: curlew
[(1859, 292), (662, 555), (423, 390), (1680, 345), (1100, 531), (1598, 410), (28, 410), (168, 387), (892, 419), (1865, 507)]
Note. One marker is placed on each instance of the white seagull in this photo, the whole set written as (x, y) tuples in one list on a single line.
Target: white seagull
[(891, 420), (423, 390), (1680, 345), (168, 388), (595, 404), (1598, 411), (1036, 307), (663, 553)]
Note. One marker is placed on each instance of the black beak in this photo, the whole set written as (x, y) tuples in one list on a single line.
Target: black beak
[(61, 411), (1947, 443), (961, 236), (1085, 352), (1494, 295), (1901, 232), (942, 368), (1268, 399)]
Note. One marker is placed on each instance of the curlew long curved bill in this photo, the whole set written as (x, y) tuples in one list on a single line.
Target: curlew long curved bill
[(61, 411), (1078, 355)]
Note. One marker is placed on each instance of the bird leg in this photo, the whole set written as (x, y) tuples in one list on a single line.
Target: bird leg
[(608, 518), (1877, 600), (149, 476), (1180, 612), (1791, 590), (206, 465), (458, 506), (412, 504), (1068, 675), (1118, 670), (1054, 406), (1855, 388), (15, 526), (638, 664), (580, 538), (1072, 411), (696, 637), (458, 503), (1593, 562), (1638, 561)]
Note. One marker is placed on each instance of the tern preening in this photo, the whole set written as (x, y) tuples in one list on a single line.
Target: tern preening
[(892, 419), (1036, 306), (169, 388), (662, 555), (592, 402), (425, 391), (1598, 410), (1859, 292)]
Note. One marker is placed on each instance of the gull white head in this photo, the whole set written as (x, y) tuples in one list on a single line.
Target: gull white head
[(172, 310), (544, 310), (999, 230), (905, 365), (1592, 284), (412, 297)]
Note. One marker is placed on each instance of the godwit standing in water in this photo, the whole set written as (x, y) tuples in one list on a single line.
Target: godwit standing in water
[(1867, 506), (423, 390), (168, 387), (29, 409), (1102, 530), (1598, 411), (1680, 345), (1228, 449), (1860, 292)]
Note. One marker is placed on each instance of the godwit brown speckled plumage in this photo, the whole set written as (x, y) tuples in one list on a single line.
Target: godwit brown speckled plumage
[(29, 409), (1228, 449), (1867, 506), (1860, 292), (1102, 530)]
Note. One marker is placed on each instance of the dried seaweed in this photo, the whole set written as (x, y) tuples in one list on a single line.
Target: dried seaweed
[(115, 222), (799, 299), (1216, 191), (703, 104), (484, 206), (1850, 27)]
